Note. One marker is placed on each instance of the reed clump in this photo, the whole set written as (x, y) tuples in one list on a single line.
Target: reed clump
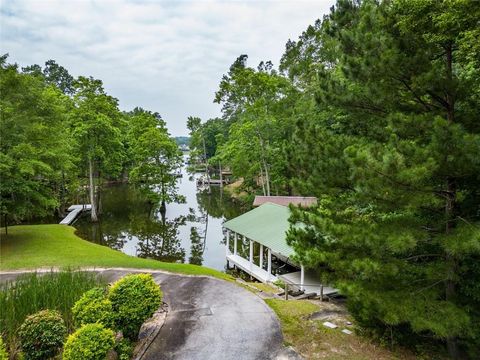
[(34, 292)]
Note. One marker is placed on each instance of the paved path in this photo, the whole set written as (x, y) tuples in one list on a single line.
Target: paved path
[(211, 319)]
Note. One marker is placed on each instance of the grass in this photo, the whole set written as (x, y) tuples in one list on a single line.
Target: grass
[(47, 246), (32, 293), (263, 287), (314, 341)]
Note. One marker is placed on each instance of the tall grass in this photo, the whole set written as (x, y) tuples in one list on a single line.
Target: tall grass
[(34, 292)]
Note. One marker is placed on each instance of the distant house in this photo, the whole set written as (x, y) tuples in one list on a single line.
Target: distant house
[(286, 200), (184, 147), (260, 234)]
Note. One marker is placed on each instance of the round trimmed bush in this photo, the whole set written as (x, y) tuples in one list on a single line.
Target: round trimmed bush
[(3, 350), (42, 335), (134, 299), (90, 342), (93, 307)]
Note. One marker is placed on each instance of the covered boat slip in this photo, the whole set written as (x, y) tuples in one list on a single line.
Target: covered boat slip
[(259, 234)]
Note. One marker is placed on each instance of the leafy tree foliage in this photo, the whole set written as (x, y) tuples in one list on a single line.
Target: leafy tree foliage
[(53, 74), (95, 121), (57, 131), (34, 144), (156, 157), (254, 104)]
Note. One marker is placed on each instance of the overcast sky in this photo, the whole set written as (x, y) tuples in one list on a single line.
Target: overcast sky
[(165, 56)]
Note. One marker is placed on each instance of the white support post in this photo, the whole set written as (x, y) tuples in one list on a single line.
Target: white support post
[(235, 236), (251, 251), (251, 256), (302, 277), (227, 250), (261, 256), (269, 263)]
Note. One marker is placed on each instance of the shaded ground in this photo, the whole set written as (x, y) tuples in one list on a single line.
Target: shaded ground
[(210, 319), (302, 324)]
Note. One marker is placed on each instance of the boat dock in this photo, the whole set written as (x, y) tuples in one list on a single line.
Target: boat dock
[(74, 211), (264, 229), (251, 269), (309, 284)]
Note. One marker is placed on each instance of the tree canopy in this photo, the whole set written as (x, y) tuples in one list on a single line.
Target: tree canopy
[(62, 135)]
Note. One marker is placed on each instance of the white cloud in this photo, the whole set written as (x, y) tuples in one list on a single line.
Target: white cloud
[(163, 56)]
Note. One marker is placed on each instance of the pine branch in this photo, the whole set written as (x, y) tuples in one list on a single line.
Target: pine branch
[(468, 222), (429, 286), (415, 95), (421, 256), (439, 99), (396, 182)]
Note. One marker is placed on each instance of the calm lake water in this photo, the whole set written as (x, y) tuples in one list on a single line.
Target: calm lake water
[(191, 233)]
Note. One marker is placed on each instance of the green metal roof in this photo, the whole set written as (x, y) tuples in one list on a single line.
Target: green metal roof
[(266, 225)]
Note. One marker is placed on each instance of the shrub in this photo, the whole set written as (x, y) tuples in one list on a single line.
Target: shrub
[(124, 349), (134, 299), (3, 351), (93, 307), (42, 334), (90, 342)]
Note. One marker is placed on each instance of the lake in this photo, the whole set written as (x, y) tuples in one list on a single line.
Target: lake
[(191, 233)]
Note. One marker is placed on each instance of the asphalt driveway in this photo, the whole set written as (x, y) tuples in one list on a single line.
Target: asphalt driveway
[(210, 319)]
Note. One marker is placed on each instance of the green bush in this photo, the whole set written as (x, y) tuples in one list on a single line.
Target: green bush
[(124, 349), (3, 351), (93, 307), (90, 342), (42, 334), (134, 299)]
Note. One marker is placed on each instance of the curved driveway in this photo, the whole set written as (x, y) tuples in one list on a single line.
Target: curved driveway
[(211, 319)]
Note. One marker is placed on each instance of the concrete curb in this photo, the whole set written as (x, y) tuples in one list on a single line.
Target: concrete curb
[(149, 331)]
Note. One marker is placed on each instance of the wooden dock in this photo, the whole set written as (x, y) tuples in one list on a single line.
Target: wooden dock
[(203, 181), (250, 268), (74, 211), (311, 283), (217, 181)]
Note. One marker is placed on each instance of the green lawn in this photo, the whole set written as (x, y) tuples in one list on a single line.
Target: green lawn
[(314, 341), (46, 246)]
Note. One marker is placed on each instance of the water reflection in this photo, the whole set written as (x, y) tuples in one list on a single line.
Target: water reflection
[(158, 239), (197, 247), (190, 232)]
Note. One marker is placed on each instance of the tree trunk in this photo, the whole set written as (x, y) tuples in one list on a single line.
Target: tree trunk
[(450, 288), (264, 162), (451, 198), (206, 231), (163, 205), (98, 194), (61, 210), (206, 163), (267, 177), (262, 180), (163, 211), (6, 224), (221, 175), (93, 211)]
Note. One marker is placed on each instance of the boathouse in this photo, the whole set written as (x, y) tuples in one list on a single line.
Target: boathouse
[(260, 234)]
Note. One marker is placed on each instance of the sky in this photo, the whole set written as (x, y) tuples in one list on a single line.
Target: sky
[(164, 56)]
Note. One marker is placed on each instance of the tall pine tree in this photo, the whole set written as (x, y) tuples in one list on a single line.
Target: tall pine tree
[(396, 142)]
